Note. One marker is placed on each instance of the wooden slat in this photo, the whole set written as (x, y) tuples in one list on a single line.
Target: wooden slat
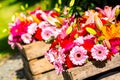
[(112, 77), (40, 65), (49, 76), (28, 74), (26, 67), (37, 66), (35, 49), (80, 73)]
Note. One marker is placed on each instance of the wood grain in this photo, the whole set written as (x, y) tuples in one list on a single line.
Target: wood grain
[(35, 49)]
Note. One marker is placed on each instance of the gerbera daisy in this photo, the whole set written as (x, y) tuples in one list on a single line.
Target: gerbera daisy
[(79, 40), (51, 54), (47, 33), (10, 41), (38, 34), (58, 67), (27, 38), (99, 52), (88, 44), (56, 55), (32, 28), (78, 55), (61, 55)]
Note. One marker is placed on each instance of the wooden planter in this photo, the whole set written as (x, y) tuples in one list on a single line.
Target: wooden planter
[(35, 65), (38, 68)]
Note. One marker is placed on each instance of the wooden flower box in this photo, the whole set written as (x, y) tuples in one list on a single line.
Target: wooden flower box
[(35, 65), (38, 68)]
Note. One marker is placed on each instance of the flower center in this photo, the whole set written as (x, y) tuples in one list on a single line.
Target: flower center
[(99, 52), (78, 55), (118, 47), (16, 30)]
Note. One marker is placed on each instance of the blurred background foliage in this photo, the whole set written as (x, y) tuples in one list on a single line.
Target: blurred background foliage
[(80, 6), (9, 7)]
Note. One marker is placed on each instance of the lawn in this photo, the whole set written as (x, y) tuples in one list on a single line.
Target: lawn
[(7, 9)]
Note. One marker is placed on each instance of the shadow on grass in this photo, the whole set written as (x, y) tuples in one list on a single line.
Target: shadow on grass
[(5, 47), (21, 74)]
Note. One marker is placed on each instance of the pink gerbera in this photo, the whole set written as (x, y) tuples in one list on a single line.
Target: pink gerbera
[(99, 52), (57, 58), (43, 24), (78, 55), (32, 28), (79, 40), (10, 41), (58, 67), (47, 33), (56, 55), (27, 38)]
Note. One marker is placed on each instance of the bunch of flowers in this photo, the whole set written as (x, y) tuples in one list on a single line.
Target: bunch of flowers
[(37, 25), (95, 36)]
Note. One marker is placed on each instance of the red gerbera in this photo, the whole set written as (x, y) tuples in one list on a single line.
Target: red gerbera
[(38, 34), (67, 44), (88, 44), (109, 56), (68, 62)]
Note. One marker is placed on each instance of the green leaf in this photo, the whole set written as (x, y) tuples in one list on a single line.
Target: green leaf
[(50, 40), (72, 3), (58, 24), (70, 12), (101, 38), (90, 30), (69, 30), (97, 43)]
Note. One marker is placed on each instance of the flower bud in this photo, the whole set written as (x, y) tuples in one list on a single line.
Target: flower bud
[(98, 22), (117, 12)]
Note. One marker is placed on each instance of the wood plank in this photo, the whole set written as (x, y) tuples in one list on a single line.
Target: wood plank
[(80, 73), (26, 67), (112, 77), (40, 65), (35, 49), (28, 74), (49, 76)]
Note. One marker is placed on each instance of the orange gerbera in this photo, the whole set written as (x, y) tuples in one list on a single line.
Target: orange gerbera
[(111, 32)]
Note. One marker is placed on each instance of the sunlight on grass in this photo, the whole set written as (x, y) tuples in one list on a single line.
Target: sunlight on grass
[(7, 9), (6, 12), (3, 57)]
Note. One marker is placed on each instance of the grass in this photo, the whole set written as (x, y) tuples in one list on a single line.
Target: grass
[(6, 12), (7, 9)]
